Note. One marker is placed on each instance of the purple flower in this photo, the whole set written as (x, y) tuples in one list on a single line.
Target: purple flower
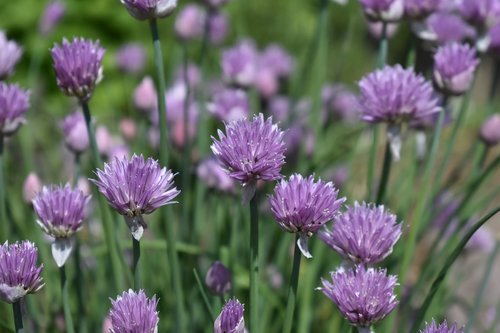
[(14, 102), (341, 101), (52, 15), (230, 105), (149, 9), (441, 328), (230, 320), (364, 233), (490, 130), (218, 26), (251, 150), (216, 3), (78, 66), (130, 58), (239, 64), (189, 23), (134, 187), (19, 274), (277, 60), (279, 108), (31, 186), (480, 12), (383, 10), (75, 132), (218, 279), (363, 296), (301, 205), (443, 27), (134, 312), (145, 98), (10, 53), (418, 9), (214, 176), (494, 40), (454, 68)]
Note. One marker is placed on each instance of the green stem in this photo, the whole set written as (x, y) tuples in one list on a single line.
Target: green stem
[(292, 291), (79, 281), (136, 247), (77, 167), (18, 317), (204, 294), (65, 298), (384, 177), (384, 47), (186, 156), (3, 208), (254, 265)]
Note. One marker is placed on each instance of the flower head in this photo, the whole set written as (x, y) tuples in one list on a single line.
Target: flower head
[(19, 274), (363, 296), (133, 312), (239, 64), (32, 185), (443, 27), (10, 53), (494, 40), (275, 59), (218, 26), (75, 132), (441, 328), (130, 58), (78, 66), (301, 205), (364, 233), (134, 187), (480, 12), (490, 130), (454, 68), (190, 22), (218, 278), (149, 9), (417, 9), (230, 320), (214, 176), (383, 10), (145, 98), (229, 105), (52, 15), (14, 102)]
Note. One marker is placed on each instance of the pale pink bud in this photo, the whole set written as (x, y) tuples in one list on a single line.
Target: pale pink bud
[(31, 186)]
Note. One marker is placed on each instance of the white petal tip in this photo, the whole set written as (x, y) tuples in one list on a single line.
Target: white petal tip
[(61, 250)]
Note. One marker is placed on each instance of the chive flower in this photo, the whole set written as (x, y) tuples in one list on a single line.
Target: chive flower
[(10, 53), (229, 105), (383, 10), (134, 312), (230, 320), (75, 132), (218, 279), (490, 130), (441, 328), (149, 9), (14, 103)]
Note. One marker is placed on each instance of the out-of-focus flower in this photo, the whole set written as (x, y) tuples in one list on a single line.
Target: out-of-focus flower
[(214, 176), (19, 274), (190, 22), (364, 233), (376, 29), (32, 185), (130, 58), (301, 205), (483, 240), (10, 53), (216, 3), (145, 98), (134, 312), (443, 27), (274, 276), (78, 67), (106, 325), (149, 9), (61, 211), (104, 139), (229, 105), (218, 27), (75, 132), (239, 64), (118, 151), (230, 320), (218, 279), (383, 10), (134, 187), (441, 328), (128, 128), (277, 60), (193, 75), (280, 107), (266, 82), (481, 13), (490, 130), (363, 296), (178, 132), (52, 15), (419, 9), (454, 68), (493, 40), (341, 102), (14, 102)]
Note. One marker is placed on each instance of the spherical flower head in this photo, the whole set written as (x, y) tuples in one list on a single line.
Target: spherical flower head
[(490, 130), (134, 187), (480, 12), (302, 205), (364, 233), (10, 53), (441, 328), (218, 279), (19, 274), (214, 176), (14, 102), (230, 320), (190, 23), (443, 27), (251, 150), (130, 58), (74, 128), (52, 15), (278, 61), (149, 9), (239, 64), (145, 97), (363, 296), (218, 27), (383, 10), (418, 9), (78, 66), (134, 312), (230, 105), (454, 68)]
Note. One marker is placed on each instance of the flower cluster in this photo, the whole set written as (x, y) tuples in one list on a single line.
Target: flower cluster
[(134, 312), (149, 9), (10, 53), (230, 320), (14, 102)]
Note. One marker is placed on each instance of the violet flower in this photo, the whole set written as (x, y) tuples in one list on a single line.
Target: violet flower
[(230, 320), (239, 64), (134, 312), (218, 279), (10, 53), (190, 23), (493, 39), (19, 274), (52, 15), (481, 13), (130, 58), (442, 28), (419, 9), (364, 234), (441, 328), (149, 9), (301, 205), (134, 187), (216, 3), (31, 186), (14, 103), (78, 67), (76, 137), (218, 27), (363, 296), (490, 130), (145, 98), (230, 105), (214, 176), (277, 60), (383, 10)]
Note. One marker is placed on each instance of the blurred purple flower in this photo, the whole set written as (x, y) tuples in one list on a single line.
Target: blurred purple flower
[(190, 22), (490, 130), (134, 312), (31, 186), (375, 28), (19, 274), (118, 151), (441, 328), (483, 240), (364, 233), (130, 58), (105, 140), (218, 27), (277, 60), (128, 128), (218, 279), (193, 75), (75, 132), (442, 28), (149, 9), (10, 53), (52, 15), (145, 98), (230, 105), (279, 108), (301, 205), (78, 66), (418, 9), (383, 10), (216, 3), (14, 103), (341, 101), (481, 13), (363, 296), (239, 64), (493, 39), (230, 320), (214, 176)]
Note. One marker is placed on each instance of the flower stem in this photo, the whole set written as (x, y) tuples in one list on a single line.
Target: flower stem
[(136, 246), (384, 177), (79, 281), (18, 317), (65, 298), (186, 156), (3, 208), (254, 265), (292, 291), (203, 294)]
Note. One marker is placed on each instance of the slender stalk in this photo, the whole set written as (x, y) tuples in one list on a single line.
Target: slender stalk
[(65, 298), (3, 208), (384, 46), (77, 167), (206, 36), (136, 248), (254, 265), (186, 156), (79, 282), (292, 291), (204, 294), (18, 317), (384, 176)]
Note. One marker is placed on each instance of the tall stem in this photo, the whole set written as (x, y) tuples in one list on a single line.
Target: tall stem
[(3, 208), (79, 281), (136, 246), (18, 317), (292, 291), (186, 156), (65, 298), (384, 177), (254, 265)]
